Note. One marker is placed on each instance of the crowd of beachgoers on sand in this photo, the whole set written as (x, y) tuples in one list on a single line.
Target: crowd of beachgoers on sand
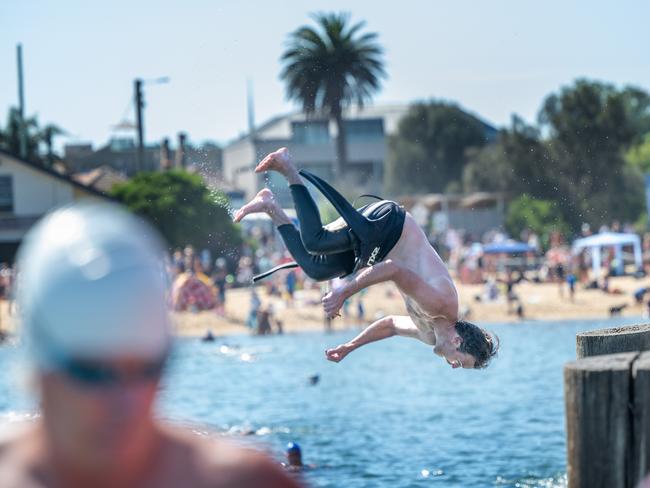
[(499, 279)]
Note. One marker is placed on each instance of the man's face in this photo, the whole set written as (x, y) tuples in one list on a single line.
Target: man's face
[(101, 411), (450, 352), (294, 458)]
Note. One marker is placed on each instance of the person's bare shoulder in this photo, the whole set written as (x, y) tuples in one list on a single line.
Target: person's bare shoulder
[(219, 463), (16, 467)]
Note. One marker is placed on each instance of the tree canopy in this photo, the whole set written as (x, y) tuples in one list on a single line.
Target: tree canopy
[(428, 151), (182, 208), (638, 156), (34, 137), (575, 157), (540, 216)]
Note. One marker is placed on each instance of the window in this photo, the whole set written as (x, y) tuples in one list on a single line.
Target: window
[(364, 129), (6, 194), (316, 132)]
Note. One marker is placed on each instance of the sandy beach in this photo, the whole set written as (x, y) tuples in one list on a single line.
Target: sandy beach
[(541, 301)]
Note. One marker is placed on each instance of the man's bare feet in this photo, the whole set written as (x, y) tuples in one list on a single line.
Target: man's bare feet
[(279, 161), (264, 201)]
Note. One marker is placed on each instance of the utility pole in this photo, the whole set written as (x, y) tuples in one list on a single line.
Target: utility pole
[(22, 131), (251, 109), (139, 114), (139, 105)]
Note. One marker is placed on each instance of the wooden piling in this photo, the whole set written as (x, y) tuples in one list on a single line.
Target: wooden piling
[(612, 341), (598, 421), (640, 405)]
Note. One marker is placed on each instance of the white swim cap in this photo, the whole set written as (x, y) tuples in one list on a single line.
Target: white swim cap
[(92, 285)]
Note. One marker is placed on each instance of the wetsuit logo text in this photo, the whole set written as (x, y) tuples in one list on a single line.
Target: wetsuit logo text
[(373, 256)]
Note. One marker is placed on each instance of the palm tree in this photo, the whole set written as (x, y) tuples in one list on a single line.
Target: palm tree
[(47, 134), (35, 136), (10, 140), (330, 67)]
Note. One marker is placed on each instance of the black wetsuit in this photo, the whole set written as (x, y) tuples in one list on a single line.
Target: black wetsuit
[(324, 254)]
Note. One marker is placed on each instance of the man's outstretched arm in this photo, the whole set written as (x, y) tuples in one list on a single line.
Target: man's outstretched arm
[(432, 299), (377, 273), (381, 329)]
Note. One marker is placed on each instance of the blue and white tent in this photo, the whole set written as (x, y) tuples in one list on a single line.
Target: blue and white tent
[(616, 240)]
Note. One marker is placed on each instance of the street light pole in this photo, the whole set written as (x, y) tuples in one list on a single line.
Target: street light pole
[(139, 105), (21, 104), (139, 114)]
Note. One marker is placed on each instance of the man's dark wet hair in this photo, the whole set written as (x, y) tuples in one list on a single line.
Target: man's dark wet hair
[(477, 342)]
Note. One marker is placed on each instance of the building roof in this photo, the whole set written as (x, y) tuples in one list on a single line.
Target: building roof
[(50, 172), (436, 201), (279, 127), (102, 178)]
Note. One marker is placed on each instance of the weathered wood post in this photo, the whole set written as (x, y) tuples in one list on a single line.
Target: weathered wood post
[(640, 465), (614, 340), (597, 393), (607, 401)]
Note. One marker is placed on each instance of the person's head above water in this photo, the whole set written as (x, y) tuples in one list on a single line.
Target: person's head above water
[(294, 454), (467, 346), (92, 286)]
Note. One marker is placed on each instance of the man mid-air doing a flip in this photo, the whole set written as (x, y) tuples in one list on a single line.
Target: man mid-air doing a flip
[(378, 242)]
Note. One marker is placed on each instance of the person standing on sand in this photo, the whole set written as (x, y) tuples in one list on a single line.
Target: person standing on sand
[(379, 242), (94, 317)]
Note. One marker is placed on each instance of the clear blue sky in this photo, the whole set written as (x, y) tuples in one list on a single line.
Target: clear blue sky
[(494, 58)]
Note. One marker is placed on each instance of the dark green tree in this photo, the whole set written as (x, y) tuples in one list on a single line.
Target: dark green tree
[(330, 67), (47, 135), (637, 105), (488, 169), (428, 151), (580, 162), (590, 126), (540, 216), (517, 162), (182, 208), (10, 137), (638, 155)]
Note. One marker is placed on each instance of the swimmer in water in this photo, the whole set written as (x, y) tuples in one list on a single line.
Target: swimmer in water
[(294, 456), (294, 459), (377, 243)]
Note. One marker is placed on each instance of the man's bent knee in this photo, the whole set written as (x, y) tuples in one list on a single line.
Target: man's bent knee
[(312, 243)]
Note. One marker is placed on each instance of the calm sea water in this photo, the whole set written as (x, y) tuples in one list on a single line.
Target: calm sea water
[(391, 414)]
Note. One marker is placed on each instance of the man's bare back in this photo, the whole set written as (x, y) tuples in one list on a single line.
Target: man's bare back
[(414, 252)]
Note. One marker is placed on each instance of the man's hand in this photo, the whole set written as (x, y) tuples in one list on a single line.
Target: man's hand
[(337, 353), (333, 301)]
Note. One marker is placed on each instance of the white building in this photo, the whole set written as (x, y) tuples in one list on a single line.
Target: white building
[(312, 142), (27, 192)]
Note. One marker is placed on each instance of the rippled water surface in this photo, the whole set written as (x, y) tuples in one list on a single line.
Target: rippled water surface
[(391, 414)]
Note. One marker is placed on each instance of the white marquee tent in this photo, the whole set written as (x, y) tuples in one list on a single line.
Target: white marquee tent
[(616, 240)]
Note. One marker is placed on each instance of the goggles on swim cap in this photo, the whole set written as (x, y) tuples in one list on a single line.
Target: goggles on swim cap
[(99, 374), (91, 372)]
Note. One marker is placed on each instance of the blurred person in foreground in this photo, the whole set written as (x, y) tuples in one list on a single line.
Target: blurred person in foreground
[(378, 242), (92, 300)]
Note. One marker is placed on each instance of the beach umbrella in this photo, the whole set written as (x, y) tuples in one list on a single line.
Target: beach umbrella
[(507, 247)]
